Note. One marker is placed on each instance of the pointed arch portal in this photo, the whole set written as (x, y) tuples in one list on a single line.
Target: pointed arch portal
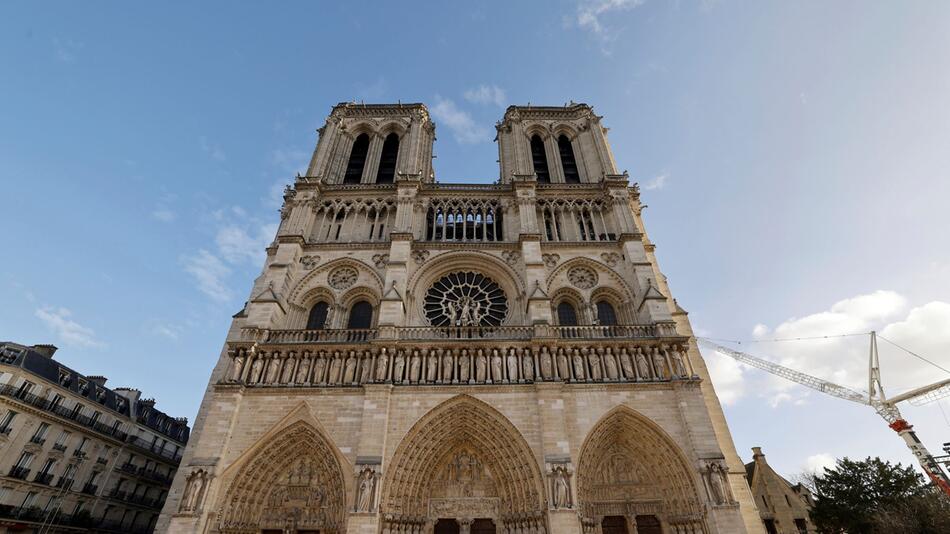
[(294, 482), (632, 471), (464, 461)]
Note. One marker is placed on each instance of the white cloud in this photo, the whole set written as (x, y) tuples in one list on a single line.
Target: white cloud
[(209, 273), (164, 214), (461, 124), (843, 360), (590, 12), (816, 463), (657, 182), (59, 321), (486, 94), (212, 150), (170, 331), (236, 244), (726, 375)]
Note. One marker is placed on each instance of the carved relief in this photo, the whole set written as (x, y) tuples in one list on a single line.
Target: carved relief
[(420, 256), (716, 478), (511, 257), (196, 484), (380, 260), (309, 262), (611, 258), (366, 483), (582, 277), (342, 277), (550, 260), (560, 479)]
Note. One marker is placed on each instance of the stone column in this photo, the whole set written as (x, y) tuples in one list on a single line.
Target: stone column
[(371, 165)]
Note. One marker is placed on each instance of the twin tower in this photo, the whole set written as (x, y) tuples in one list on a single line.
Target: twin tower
[(419, 357)]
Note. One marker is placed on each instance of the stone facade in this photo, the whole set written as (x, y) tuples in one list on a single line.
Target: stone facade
[(75, 455), (419, 357), (784, 508)]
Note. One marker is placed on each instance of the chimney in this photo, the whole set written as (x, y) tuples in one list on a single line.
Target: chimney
[(45, 350), (757, 453), (98, 380)]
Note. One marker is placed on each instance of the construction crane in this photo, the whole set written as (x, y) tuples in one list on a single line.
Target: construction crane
[(875, 398)]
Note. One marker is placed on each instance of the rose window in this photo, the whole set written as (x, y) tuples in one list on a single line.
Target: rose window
[(465, 299)]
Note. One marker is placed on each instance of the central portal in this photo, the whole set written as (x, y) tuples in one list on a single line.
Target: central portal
[(453, 526)]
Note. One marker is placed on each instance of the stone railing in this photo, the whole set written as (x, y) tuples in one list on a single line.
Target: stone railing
[(424, 333), (353, 335), (462, 362)]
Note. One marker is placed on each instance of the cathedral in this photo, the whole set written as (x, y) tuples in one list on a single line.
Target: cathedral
[(420, 357)]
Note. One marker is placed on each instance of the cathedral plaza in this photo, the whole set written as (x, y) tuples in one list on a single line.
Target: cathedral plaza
[(420, 357)]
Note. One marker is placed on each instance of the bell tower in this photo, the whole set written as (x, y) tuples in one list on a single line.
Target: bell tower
[(374, 144), (560, 145)]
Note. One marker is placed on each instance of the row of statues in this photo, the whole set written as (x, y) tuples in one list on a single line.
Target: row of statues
[(458, 365), (525, 524)]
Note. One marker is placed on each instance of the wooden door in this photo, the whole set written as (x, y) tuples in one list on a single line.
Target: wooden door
[(648, 524), (446, 526), (614, 524), (483, 526)]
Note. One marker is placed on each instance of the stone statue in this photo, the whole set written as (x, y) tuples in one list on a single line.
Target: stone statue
[(303, 370), (320, 368), (414, 364), (679, 366), (481, 367), (364, 499), (643, 366), (594, 360), (718, 484), (496, 366), (512, 365), (366, 370), (195, 486), (273, 369), (256, 368), (659, 364), (610, 363), (432, 366), (382, 365), (579, 363), (349, 375), (398, 367), (336, 368), (626, 364), (527, 365), (563, 366), (562, 488), (287, 375), (547, 364), (237, 366), (465, 363), (447, 367)]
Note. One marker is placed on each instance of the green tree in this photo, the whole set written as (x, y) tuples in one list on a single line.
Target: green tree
[(852, 497)]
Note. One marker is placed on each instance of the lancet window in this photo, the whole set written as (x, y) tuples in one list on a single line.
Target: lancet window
[(354, 167), (353, 220), (387, 160), (361, 315), (464, 220), (568, 163), (606, 315), (318, 316), (540, 159), (575, 220), (566, 314)]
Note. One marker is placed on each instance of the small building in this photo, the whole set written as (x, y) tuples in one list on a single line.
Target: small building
[(78, 456), (783, 507)]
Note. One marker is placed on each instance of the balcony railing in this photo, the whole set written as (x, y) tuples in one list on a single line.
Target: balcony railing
[(19, 472), (89, 489), (65, 483), (48, 406), (349, 335), (37, 440), (43, 478), (61, 447), (429, 333)]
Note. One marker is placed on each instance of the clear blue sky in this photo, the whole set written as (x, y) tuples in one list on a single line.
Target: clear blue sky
[(794, 157)]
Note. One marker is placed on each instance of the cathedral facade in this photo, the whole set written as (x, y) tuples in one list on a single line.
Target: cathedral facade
[(419, 357)]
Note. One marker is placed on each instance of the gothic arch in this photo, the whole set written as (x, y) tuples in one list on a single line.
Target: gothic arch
[(317, 278), (416, 481), (608, 278), (629, 466), (481, 262), (292, 475)]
